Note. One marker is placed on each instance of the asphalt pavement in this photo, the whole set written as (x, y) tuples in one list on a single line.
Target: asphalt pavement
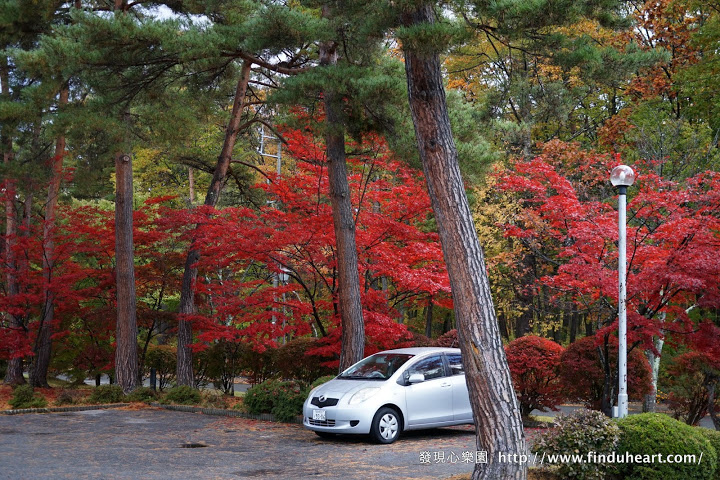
[(154, 444)]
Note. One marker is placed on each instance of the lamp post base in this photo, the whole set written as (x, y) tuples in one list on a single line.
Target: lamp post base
[(621, 409)]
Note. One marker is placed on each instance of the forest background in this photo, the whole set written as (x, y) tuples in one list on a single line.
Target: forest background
[(114, 115)]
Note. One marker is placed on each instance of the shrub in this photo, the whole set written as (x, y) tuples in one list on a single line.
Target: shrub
[(420, 340), (142, 394), (282, 399), (163, 358), (222, 363), (713, 436), (687, 379), (214, 399), (107, 394), (534, 366), (579, 433), (294, 362), (68, 397), (449, 339), (25, 397), (658, 434), (183, 395), (583, 377)]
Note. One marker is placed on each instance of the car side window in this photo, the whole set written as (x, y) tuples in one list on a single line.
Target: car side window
[(455, 362), (431, 367)]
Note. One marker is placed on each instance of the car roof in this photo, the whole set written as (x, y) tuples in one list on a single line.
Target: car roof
[(422, 350)]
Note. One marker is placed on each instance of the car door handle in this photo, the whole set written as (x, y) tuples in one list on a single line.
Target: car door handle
[(446, 384)]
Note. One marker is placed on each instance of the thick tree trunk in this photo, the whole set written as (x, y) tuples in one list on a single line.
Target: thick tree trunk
[(126, 351), (495, 407), (348, 291), (14, 373), (43, 342), (184, 371)]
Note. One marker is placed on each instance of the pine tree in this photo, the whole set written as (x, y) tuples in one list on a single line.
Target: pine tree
[(495, 408)]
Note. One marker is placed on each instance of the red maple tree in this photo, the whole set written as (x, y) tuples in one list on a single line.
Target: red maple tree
[(568, 221)]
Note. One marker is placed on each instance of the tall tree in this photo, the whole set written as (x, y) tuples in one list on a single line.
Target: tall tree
[(14, 374), (351, 314), (495, 408), (43, 341), (187, 296)]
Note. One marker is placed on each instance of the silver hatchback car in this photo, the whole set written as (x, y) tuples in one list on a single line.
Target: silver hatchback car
[(392, 391)]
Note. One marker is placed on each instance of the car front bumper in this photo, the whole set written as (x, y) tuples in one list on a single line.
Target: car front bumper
[(345, 419)]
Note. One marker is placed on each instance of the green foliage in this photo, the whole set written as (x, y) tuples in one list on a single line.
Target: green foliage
[(25, 397), (221, 363), (107, 394), (658, 434), (142, 394), (183, 395), (282, 399), (713, 436), (581, 432), (163, 358)]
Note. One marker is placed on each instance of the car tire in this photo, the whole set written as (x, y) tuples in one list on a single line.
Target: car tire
[(325, 434), (386, 425)]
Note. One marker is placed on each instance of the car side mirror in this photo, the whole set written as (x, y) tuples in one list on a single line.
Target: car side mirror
[(416, 378)]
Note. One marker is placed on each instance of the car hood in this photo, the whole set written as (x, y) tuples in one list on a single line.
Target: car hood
[(339, 388)]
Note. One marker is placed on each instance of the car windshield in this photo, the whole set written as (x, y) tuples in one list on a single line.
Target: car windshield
[(380, 366)]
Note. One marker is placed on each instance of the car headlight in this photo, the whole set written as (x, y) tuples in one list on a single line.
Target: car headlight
[(362, 395)]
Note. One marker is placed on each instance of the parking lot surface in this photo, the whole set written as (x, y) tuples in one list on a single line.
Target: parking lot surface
[(159, 444)]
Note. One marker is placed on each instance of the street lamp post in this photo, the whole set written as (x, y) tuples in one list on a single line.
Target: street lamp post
[(622, 177)]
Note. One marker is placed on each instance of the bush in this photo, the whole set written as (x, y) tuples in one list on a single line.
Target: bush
[(163, 358), (282, 399), (534, 366), (583, 377), (183, 395), (449, 339), (658, 434), (25, 397), (214, 399), (142, 394), (420, 340), (107, 394), (293, 362), (713, 436), (222, 363), (686, 382), (579, 433), (68, 397)]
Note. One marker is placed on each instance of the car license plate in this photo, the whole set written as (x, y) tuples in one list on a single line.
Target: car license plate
[(319, 415)]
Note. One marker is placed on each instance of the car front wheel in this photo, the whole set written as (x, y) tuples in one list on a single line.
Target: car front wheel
[(385, 426)]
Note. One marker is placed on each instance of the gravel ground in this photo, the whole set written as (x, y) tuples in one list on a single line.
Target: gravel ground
[(156, 444)]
